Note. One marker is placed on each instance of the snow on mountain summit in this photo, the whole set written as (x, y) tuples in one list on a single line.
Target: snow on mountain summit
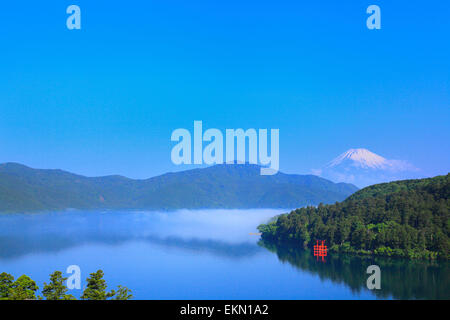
[(362, 158), (363, 167)]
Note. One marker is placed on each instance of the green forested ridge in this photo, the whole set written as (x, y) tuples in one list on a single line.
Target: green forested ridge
[(407, 218), (24, 189)]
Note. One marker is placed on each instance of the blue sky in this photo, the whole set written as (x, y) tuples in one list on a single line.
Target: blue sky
[(105, 99)]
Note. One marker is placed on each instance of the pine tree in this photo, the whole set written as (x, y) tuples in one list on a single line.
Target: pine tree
[(56, 289), (96, 288)]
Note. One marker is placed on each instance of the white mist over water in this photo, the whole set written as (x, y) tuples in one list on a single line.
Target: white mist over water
[(222, 225), (29, 232), (184, 254)]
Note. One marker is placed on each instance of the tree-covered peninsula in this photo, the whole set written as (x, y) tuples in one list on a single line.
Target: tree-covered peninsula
[(407, 218)]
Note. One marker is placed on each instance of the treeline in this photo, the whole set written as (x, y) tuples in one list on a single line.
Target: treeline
[(403, 218), (24, 288)]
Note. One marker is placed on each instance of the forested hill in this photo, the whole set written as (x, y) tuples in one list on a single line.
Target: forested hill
[(403, 218), (23, 189)]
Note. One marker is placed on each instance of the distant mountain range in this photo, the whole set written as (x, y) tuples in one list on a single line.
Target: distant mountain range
[(23, 189), (363, 168)]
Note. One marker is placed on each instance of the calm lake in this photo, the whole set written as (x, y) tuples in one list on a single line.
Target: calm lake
[(199, 254)]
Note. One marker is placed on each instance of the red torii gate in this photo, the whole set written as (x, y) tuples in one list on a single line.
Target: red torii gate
[(320, 250)]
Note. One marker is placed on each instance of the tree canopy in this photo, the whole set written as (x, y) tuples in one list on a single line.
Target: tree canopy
[(96, 288), (56, 289), (407, 218), (24, 288)]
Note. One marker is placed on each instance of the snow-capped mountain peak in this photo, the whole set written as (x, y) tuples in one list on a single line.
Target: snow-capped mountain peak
[(360, 158), (363, 167)]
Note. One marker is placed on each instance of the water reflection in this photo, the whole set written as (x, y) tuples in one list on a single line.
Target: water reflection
[(400, 279), (14, 247), (170, 253), (219, 232)]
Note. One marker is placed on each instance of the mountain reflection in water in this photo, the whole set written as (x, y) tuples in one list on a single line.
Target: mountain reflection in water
[(200, 254)]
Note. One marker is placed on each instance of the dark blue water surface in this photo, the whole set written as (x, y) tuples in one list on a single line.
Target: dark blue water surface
[(202, 254)]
